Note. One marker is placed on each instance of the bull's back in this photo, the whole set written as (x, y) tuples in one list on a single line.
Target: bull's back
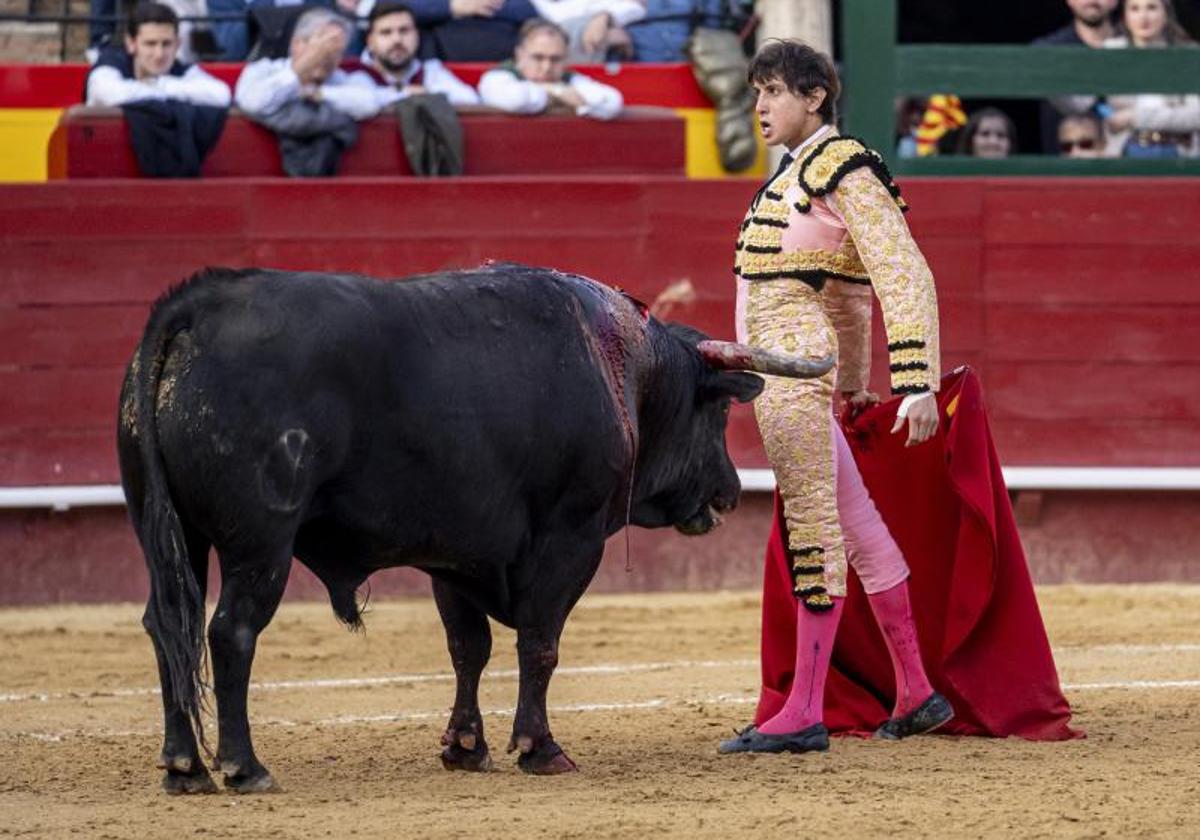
[(403, 396)]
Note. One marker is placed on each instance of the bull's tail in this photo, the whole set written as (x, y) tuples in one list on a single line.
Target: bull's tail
[(175, 611)]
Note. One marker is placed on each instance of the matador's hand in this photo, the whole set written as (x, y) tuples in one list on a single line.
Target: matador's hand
[(922, 417), (860, 401)]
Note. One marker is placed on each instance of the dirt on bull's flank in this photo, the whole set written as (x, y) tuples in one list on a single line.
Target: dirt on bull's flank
[(648, 684)]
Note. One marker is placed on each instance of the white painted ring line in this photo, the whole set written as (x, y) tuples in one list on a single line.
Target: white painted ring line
[(512, 673), (643, 705), (396, 679)]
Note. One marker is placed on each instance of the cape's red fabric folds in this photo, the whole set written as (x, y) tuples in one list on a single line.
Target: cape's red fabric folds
[(982, 637)]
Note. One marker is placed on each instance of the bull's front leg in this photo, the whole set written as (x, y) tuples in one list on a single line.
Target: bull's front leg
[(469, 638), (537, 654)]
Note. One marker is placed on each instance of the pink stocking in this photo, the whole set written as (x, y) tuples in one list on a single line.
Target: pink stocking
[(893, 614), (815, 632)]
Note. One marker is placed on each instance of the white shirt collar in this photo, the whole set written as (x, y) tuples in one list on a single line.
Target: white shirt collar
[(812, 138), (414, 68)]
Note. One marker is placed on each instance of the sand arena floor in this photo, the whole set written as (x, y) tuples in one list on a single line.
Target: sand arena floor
[(350, 724)]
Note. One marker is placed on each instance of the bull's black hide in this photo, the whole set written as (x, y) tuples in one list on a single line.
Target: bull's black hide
[(480, 425)]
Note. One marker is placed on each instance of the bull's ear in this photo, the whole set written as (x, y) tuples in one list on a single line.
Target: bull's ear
[(743, 387)]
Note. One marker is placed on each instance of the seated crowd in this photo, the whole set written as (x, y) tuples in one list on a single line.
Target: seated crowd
[(311, 97), (1147, 125), (453, 30), (346, 61)]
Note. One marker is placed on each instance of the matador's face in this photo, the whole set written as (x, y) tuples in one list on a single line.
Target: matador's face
[(787, 117)]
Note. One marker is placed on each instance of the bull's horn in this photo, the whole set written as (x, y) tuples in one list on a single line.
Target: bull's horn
[(729, 355)]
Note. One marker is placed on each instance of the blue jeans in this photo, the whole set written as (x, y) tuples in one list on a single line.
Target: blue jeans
[(1134, 149)]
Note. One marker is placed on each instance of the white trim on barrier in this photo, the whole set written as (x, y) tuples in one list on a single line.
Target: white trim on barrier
[(1054, 478), (62, 498), (753, 481)]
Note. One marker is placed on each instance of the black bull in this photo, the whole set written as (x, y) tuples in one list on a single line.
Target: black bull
[(483, 426)]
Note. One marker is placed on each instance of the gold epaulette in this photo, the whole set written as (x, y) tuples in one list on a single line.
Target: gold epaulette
[(833, 159)]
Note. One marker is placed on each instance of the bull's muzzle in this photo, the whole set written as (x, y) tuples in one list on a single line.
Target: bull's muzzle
[(729, 355)]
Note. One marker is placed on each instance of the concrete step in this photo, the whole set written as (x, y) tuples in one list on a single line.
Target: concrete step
[(30, 43)]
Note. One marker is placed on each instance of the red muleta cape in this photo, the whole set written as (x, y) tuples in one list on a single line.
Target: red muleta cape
[(982, 637)]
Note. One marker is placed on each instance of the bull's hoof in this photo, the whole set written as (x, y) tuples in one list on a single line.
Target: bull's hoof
[(478, 760), (547, 760), (261, 783), (253, 779), (465, 750), (180, 784)]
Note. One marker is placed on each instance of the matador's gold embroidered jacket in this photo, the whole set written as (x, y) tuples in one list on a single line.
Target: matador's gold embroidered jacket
[(836, 215)]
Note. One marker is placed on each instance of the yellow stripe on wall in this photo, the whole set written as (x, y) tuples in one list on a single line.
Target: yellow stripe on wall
[(24, 135), (703, 160)]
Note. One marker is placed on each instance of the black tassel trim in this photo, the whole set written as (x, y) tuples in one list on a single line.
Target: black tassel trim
[(818, 603), (807, 570), (774, 196), (763, 249), (897, 368), (910, 389), (801, 208), (807, 550), (910, 344), (871, 159), (814, 277), (758, 220)]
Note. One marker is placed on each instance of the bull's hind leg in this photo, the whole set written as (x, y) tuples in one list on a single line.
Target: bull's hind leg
[(469, 637), (252, 585), (180, 758)]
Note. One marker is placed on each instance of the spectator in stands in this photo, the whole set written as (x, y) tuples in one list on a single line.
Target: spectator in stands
[(306, 99), (469, 30), (1091, 24), (1081, 136), (910, 113), (1152, 125), (595, 27), (537, 79), (390, 65), (989, 133), (147, 67), (663, 34), (231, 32), (270, 20), (309, 73)]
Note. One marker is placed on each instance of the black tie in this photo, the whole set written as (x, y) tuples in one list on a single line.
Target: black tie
[(784, 163)]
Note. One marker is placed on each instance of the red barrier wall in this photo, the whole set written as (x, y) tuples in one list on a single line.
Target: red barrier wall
[(95, 143), (1078, 301)]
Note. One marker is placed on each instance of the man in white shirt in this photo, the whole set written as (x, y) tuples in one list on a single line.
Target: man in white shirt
[(147, 68), (390, 65), (309, 73), (537, 79)]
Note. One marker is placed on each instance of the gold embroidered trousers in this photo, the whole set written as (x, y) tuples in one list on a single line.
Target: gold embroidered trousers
[(794, 417)]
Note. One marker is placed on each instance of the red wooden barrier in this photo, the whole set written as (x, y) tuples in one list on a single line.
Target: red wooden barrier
[(1083, 321), (94, 143)]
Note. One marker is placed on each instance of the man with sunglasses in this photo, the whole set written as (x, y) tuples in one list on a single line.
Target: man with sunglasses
[(1080, 136)]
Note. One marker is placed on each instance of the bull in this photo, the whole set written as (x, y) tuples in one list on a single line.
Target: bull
[(489, 427)]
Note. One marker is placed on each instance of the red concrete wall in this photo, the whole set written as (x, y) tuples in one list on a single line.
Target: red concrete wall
[(1077, 300), (95, 143)]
